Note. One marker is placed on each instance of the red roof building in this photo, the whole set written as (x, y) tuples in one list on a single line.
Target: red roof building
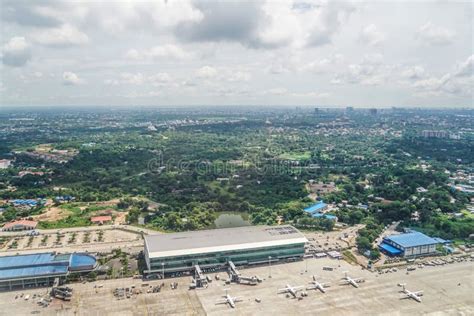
[(101, 219), (20, 225)]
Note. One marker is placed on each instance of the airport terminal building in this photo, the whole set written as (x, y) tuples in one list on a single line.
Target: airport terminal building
[(24, 271), (214, 248)]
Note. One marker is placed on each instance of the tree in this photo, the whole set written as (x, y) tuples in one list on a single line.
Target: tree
[(374, 254), (363, 243)]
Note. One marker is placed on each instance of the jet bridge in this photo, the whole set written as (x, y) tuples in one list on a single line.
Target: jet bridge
[(234, 273), (236, 277), (199, 277)]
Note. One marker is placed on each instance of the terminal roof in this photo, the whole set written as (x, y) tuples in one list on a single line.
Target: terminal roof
[(216, 240)]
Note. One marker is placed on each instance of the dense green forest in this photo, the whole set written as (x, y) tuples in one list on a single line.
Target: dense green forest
[(195, 165)]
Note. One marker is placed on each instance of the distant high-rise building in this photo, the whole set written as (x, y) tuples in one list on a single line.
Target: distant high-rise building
[(439, 134), (373, 111)]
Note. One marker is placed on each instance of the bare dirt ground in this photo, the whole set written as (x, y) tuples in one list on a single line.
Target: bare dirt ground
[(120, 218), (52, 214)]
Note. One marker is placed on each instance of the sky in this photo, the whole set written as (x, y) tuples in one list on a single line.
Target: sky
[(183, 52)]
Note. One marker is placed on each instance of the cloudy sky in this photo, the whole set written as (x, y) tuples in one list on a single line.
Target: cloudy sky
[(180, 52)]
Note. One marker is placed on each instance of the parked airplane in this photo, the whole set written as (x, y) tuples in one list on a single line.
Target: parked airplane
[(315, 285), (354, 282), (291, 289), (409, 294), (227, 299)]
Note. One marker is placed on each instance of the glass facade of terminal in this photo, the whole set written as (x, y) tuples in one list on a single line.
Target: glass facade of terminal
[(238, 257)]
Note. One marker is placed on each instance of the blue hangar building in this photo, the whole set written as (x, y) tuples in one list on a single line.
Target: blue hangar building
[(410, 244), (320, 206), (316, 211), (24, 271)]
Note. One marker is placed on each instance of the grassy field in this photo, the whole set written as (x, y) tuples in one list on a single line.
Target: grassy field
[(296, 155)]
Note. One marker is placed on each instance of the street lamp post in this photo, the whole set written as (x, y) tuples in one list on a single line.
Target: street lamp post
[(306, 265), (269, 267), (163, 269)]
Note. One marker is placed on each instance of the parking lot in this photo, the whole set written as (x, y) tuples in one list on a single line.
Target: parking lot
[(334, 240), (69, 239)]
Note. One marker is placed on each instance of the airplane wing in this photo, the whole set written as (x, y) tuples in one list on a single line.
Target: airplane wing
[(358, 280), (223, 301), (282, 290), (237, 299), (418, 293), (296, 288)]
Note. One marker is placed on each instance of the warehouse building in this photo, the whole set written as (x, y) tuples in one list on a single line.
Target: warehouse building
[(167, 253), (24, 271), (318, 207), (410, 244)]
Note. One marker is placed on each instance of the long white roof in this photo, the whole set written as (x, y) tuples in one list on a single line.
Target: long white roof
[(218, 240)]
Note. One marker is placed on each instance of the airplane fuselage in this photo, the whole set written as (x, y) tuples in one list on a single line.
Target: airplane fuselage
[(318, 286), (413, 296), (230, 300), (351, 282)]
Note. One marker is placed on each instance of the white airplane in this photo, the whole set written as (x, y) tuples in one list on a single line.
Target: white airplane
[(291, 289), (227, 299), (409, 294), (315, 285), (354, 282)]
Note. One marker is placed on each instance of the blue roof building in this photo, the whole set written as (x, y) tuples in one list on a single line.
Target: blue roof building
[(328, 216), (27, 202), (316, 208), (41, 269), (410, 244)]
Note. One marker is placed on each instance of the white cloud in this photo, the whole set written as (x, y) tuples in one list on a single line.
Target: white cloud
[(266, 24), (415, 72), (370, 71), (16, 52), (206, 72), (169, 51), (153, 16), (127, 78), (65, 35), (276, 91), (371, 35), (219, 75), (143, 46), (318, 66), (159, 79), (324, 20), (466, 69), (239, 76), (459, 82), (284, 92), (317, 95), (435, 35), (71, 79)]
